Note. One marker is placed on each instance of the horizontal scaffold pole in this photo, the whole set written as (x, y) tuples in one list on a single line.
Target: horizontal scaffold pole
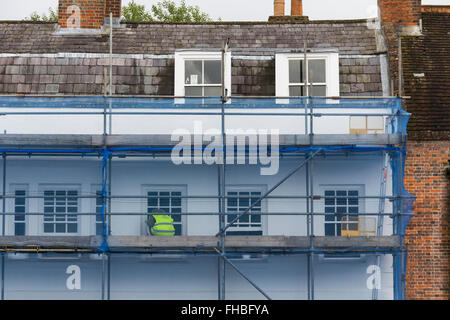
[(268, 192)]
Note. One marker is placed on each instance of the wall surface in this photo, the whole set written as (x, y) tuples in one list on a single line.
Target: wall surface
[(427, 236), (186, 277), (132, 177)]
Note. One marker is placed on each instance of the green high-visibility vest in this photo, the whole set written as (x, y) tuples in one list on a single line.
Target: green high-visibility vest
[(163, 226)]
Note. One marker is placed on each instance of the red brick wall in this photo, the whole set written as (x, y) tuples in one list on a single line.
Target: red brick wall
[(114, 6), (427, 235), (296, 7), (396, 16), (92, 12)]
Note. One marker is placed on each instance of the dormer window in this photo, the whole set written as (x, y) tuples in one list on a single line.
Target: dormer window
[(319, 78), (199, 74)]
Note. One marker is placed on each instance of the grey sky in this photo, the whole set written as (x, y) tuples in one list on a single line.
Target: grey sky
[(237, 10)]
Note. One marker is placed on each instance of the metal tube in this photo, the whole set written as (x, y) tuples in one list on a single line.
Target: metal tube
[(110, 69), (268, 192), (4, 196), (243, 275), (308, 232), (311, 255), (109, 195), (143, 96), (214, 214), (3, 227), (103, 275), (208, 197), (222, 182), (172, 113)]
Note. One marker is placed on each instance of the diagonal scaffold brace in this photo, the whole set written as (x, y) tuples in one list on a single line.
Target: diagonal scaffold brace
[(242, 274), (221, 232)]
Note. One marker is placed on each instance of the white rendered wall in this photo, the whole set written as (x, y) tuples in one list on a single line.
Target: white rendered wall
[(187, 277), (130, 177), (166, 124)]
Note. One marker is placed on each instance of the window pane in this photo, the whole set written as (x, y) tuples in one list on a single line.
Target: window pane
[(177, 229), (72, 228), (295, 71), (213, 72), (193, 91), (256, 218), (244, 218), (319, 91), (213, 91), (317, 71), (19, 229), (296, 91), (60, 227), (193, 72), (48, 227), (329, 229)]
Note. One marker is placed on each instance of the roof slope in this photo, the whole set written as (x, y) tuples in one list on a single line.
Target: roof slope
[(426, 69), (350, 37)]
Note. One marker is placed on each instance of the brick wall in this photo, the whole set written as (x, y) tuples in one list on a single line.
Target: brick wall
[(92, 12), (427, 236), (398, 17)]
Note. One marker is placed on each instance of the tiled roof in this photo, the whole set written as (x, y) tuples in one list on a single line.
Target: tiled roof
[(426, 69), (349, 37), (253, 45)]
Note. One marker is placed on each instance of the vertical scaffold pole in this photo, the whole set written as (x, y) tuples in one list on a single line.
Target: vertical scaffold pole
[(3, 226), (311, 238), (104, 246), (221, 180), (108, 226), (110, 69)]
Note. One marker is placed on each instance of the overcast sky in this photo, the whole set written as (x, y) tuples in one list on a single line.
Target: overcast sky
[(237, 10)]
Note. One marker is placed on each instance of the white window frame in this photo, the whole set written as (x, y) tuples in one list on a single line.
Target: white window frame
[(182, 56), (12, 220), (250, 188), (165, 187), (331, 70), (59, 187), (347, 187)]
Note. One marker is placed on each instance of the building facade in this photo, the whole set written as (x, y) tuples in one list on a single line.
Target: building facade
[(89, 151)]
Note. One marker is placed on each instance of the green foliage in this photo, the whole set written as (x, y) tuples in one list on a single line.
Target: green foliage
[(52, 16), (134, 12), (168, 11), (164, 11)]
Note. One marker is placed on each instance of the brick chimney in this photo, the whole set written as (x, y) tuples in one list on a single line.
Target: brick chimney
[(278, 8), (297, 8), (296, 12), (398, 18), (87, 14), (403, 16)]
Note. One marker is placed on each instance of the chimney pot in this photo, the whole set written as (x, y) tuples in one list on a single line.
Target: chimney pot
[(296, 7), (278, 7)]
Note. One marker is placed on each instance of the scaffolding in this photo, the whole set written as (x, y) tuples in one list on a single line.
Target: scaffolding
[(304, 148), (402, 201)]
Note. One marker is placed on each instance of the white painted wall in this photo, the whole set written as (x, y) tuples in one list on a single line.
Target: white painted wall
[(140, 277), (187, 277), (166, 124), (129, 177)]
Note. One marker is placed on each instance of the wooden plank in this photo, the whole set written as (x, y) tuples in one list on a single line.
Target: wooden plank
[(199, 242), (360, 242), (164, 140)]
